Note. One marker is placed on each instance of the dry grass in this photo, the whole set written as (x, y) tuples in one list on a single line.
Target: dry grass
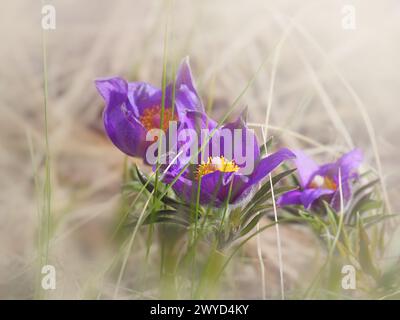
[(328, 84)]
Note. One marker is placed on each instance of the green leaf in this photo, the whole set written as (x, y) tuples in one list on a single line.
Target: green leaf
[(247, 216), (261, 193), (279, 191), (132, 186), (265, 146), (370, 205), (333, 217), (360, 190), (365, 204), (165, 199), (374, 219), (251, 224), (365, 257), (162, 216), (258, 205)]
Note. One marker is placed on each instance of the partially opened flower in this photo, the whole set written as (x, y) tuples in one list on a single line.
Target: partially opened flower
[(134, 108), (224, 176), (318, 182)]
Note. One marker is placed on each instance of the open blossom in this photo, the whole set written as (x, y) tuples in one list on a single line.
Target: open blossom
[(323, 181), (134, 108), (222, 176)]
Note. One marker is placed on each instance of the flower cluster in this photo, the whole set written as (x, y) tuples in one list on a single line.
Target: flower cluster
[(331, 181), (215, 174)]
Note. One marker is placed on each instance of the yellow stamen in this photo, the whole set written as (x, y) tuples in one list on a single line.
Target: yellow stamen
[(215, 164), (323, 182)]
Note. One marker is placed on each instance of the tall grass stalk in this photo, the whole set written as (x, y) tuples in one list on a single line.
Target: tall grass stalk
[(275, 62), (358, 103), (44, 229), (129, 246)]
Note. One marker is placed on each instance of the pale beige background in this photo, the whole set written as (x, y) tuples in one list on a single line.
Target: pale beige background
[(325, 78)]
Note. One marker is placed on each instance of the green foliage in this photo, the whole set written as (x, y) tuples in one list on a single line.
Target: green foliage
[(345, 236), (236, 224)]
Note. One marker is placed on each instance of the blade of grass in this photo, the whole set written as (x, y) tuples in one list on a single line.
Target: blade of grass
[(130, 244), (45, 219), (275, 62)]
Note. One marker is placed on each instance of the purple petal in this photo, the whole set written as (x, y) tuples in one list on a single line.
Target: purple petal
[(217, 187), (113, 90), (122, 128), (350, 162), (327, 170), (263, 168), (142, 95), (184, 78), (306, 167), (214, 188), (186, 99), (346, 190), (290, 198), (308, 196), (184, 188), (196, 121), (267, 164), (241, 188), (170, 171), (239, 147)]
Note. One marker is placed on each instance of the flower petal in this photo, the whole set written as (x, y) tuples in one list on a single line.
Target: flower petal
[(122, 128), (184, 79), (306, 167), (186, 99), (308, 196), (346, 190), (290, 198), (184, 189), (142, 95), (113, 90), (240, 188), (196, 121), (350, 161), (242, 137), (327, 170), (267, 164), (214, 188)]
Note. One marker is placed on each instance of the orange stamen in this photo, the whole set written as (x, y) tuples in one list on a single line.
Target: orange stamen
[(151, 118)]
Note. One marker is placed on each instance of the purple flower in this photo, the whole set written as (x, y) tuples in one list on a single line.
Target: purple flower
[(323, 181), (134, 108), (222, 175)]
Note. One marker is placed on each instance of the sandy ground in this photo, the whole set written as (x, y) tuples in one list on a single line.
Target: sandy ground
[(332, 87)]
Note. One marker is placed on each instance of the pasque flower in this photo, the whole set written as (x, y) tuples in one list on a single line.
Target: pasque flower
[(222, 178), (323, 181), (134, 108)]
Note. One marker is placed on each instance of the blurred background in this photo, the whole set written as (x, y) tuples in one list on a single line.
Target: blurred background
[(329, 88)]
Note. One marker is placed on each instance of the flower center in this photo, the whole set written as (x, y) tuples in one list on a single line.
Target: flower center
[(151, 118), (215, 164), (323, 182)]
